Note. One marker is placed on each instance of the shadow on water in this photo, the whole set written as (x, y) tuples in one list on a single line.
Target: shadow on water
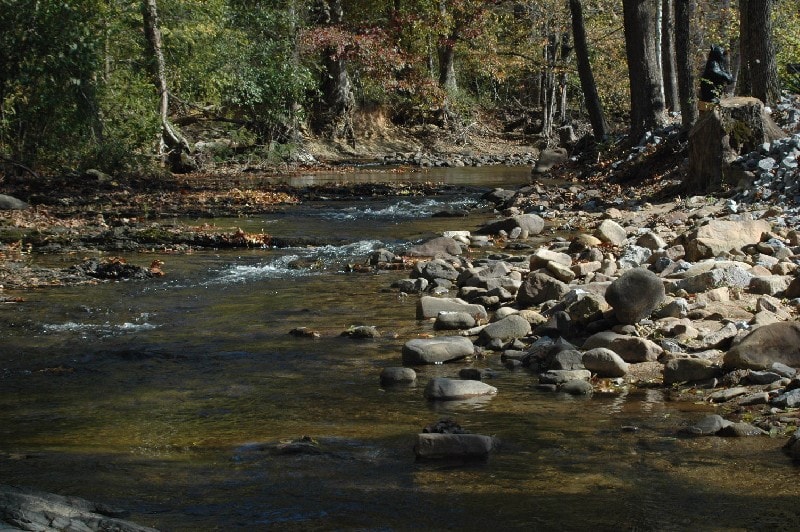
[(164, 397)]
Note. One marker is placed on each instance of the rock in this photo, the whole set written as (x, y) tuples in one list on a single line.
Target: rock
[(436, 350), (453, 446), (790, 399), (604, 363), (475, 374), (635, 295), (543, 256), (576, 387), (721, 236), (397, 375), (436, 247), (776, 342), (510, 327), (740, 430), (529, 224), (611, 232), (453, 321), (688, 370), (10, 203), (792, 447), (731, 275), (538, 288), (763, 377), (560, 376), (772, 285), (725, 395), (443, 389), (411, 286), (362, 331), (430, 307), (707, 426), (27, 509), (629, 348), (437, 269), (565, 359), (549, 158)]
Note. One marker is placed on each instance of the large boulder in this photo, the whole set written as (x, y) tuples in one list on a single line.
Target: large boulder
[(720, 236), (635, 295), (776, 342), (436, 350), (10, 203), (689, 370), (443, 389)]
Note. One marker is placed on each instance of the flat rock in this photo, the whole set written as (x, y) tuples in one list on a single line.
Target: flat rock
[(27, 509), (453, 446), (689, 370), (430, 307), (10, 203), (707, 426), (444, 389), (577, 387), (631, 349), (560, 376), (510, 327), (720, 236), (440, 246), (740, 430), (436, 350)]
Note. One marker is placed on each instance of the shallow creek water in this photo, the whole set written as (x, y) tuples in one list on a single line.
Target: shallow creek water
[(154, 396)]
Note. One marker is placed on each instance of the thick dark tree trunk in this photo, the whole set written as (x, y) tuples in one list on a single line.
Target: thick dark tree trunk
[(668, 65), (588, 85), (171, 144), (337, 90), (644, 71), (447, 65), (684, 11), (758, 74)]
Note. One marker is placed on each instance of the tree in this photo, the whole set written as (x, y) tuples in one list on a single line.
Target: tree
[(758, 74), (644, 72), (684, 12), (668, 65), (593, 105), (171, 144)]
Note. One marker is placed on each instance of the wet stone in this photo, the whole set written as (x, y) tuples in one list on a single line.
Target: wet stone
[(707, 426)]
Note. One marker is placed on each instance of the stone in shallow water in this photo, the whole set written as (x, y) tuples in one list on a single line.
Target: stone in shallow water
[(443, 389), (436, 350), (398, 375), (707, 426), (453, 446), (738, 430)]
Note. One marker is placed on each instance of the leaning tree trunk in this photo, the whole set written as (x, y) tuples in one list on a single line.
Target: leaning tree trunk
[(171, 143), (684, 11), (588, 85), (644, 70), (759, 72)]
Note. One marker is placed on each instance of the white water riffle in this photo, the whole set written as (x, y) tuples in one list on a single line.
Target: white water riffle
[(323, 258), (402, 209)]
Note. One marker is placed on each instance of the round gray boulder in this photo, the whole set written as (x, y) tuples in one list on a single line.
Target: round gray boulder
[(635, 295), (436, 350), (443, 389), (605, 363)]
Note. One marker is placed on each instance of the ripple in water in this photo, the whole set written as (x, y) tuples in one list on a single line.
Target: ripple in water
[(312, 261), (402, 209)]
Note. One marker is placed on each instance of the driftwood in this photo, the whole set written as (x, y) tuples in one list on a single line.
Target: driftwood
[(723, 132)]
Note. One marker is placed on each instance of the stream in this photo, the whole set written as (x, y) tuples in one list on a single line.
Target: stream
[(160, 396)]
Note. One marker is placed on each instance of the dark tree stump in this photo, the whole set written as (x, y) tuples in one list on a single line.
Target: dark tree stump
[(733, 127)]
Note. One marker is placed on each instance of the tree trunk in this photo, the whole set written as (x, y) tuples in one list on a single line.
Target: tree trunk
[(337, 90), (668, 66), (171, 143), (759, 71), (447, 67), (734, 127), (593, 105), (684, 12), (644, 72)]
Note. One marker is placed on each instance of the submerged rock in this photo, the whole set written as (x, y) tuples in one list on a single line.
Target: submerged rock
[(453, 446)]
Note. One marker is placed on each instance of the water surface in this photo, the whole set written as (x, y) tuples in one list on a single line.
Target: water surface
[(159, 397)]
